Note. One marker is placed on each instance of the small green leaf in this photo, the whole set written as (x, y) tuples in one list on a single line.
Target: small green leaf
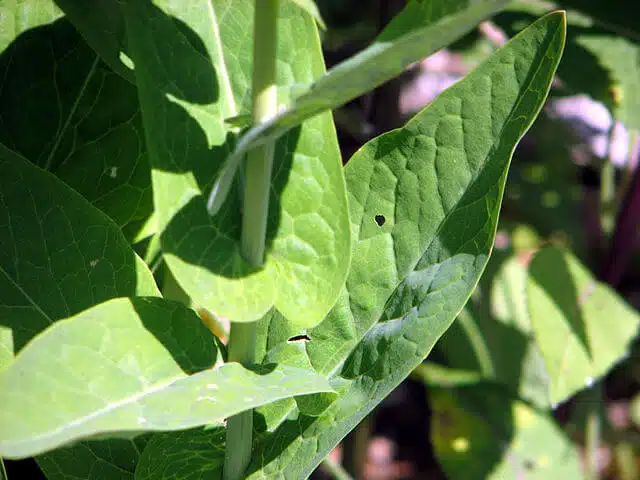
[(127, 365), (311, 8), (580, 324), (59, 254), (377, 64), (481, 432)]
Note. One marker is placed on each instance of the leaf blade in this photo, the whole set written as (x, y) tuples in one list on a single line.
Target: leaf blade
[(129, 365)]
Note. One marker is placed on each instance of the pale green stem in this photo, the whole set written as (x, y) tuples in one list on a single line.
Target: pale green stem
[(608, 187), (259, 164)]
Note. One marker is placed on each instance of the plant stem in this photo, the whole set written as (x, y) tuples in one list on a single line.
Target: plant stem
[(608, 187), (259, 164), (260, 160), (239, 427)]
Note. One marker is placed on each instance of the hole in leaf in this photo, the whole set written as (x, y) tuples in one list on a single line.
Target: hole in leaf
[(380, 220), (299, 338)]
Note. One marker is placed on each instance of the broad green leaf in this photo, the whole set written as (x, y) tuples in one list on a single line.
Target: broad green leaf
[(373, 66), (169, 456), (66, 111), (186, 92), (481, 432), (129, 365), (113, 459), (566, 304), (312, 9), (58, 254), (438, 183)]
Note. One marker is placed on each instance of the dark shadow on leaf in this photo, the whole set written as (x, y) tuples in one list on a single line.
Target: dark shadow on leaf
[(62, 109), (179, 87), (182, 333), (65, 255), (554, 277)]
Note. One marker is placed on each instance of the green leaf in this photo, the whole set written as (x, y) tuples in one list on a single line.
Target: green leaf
[(59, 254), (566, 305), (311, 8), (373, 66), (480, 432), (127, 365), (101, 23), (187, 91), (438, 182), (169, 456), (419, 14), (113, 459), (437, 375), (66, 111)]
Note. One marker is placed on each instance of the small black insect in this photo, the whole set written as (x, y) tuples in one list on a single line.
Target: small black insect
[(380, 220), (299, 338)]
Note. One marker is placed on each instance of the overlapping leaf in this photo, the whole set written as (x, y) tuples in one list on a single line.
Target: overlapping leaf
[(129, 365), (496, 339), (580, 324), (65, 110), (188, 77), (424, 203), (399, 47)]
